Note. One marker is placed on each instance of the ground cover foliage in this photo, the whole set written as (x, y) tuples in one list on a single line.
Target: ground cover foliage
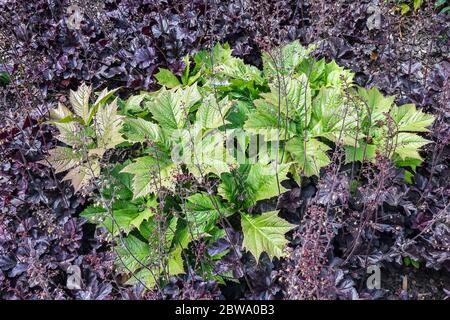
[(366, 187)]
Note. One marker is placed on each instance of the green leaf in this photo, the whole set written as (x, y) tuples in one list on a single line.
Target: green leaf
[(408, 144), (376, 103), (80, 102), (332, 117), (69, 133), (221, 65), (409, 119), (166, 78), (168, 110), (149, 278), (415, 263), (417, 4), (171, 107), (361, 153), (202, 212), (62, 159), (101, 100), (140, 130), (209, 155), (175, 262), (254, 183), (170, 233), (103, 97), (292, 98), (310, 155), (337, 76), (239, 114), (127, 216), (133, 103), (264, 121), (404, 8), (408, 177), (236, 69), (150, 174), (182, 235), (218, 56), (61, 113), (108, 125), (80, 176), (5, 79), (262, 180), (439, 3), (141, 217), (120, 183), (407, 162), (283, 61), (211, 113), (133, 253), (265, 233)]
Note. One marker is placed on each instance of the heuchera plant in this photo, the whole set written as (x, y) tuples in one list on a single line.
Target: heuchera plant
[(204, 126)]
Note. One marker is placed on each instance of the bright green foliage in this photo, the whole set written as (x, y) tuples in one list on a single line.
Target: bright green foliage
[(166, 78), (310, 154), (442, 6), (150, 173), (388, 129), (207, 124), (265, 233), (251, 183), (171, 107), (203, 212), (408, 119), (5, 79), (405, 6), (125, 215), (88, 133)]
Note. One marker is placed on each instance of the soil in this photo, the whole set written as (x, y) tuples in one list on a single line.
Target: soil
[(420, 284)]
